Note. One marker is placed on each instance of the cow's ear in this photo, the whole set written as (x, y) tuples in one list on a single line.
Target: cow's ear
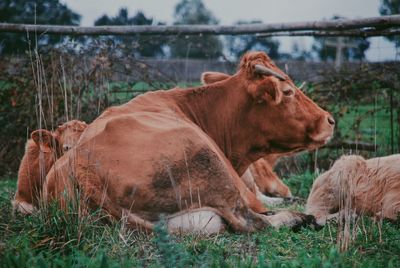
[(266, 90), (212, 77), (45, 140)]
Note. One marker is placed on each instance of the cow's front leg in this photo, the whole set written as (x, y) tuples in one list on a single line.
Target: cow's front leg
[(270, 201), (244, 220), (291, 219)]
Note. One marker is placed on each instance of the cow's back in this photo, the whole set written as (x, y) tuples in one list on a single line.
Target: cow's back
[(150, 160), (387, 166)]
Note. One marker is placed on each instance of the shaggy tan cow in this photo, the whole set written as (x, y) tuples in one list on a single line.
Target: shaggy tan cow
[(41, 151), (370, 187), (183, 150), (260, 177)]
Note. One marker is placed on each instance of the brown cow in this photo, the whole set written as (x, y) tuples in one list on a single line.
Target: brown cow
[(259, 177), (41, 151), (183, 150), (370, 187)]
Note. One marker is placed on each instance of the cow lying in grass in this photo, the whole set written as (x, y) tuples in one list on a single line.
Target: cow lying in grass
[(370, 187), (183, 151), (260, 177), (41, 151)]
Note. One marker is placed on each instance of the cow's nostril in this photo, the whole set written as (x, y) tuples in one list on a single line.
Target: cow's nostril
[(331, 121), (66, 147)]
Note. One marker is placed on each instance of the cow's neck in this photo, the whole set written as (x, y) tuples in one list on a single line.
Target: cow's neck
[(219, 110)]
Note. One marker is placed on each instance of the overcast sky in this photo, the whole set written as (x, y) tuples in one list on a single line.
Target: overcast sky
[(230, 11)]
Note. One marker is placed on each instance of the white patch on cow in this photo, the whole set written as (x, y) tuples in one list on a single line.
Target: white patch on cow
[(196, 221), (23, 207), (269, 201)]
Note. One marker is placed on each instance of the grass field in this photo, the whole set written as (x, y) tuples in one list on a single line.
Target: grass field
[(58, 239)]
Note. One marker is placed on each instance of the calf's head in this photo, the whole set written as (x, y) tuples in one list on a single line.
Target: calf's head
[(69, 133), (289, 121), (61, 140)]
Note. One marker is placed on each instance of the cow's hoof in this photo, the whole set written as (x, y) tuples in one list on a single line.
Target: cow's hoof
[(307, 221), (268, 213), (294, 200), (270, 201), (23, 207), (293, 220)]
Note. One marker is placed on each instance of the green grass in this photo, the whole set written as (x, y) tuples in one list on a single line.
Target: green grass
[(59, 239)]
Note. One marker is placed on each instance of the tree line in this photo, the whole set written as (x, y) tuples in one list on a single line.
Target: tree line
[(186, 12)]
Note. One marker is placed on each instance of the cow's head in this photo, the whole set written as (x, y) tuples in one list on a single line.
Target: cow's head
[(46, 141), (69, 133), (289, 121), (61, 140)]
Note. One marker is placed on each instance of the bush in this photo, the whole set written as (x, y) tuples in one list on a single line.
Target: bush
[(39, 94)]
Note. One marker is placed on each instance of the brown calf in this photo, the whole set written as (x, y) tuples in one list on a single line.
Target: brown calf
[(41, 151)]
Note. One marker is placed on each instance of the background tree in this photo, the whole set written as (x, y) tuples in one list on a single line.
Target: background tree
[(144, 46), (353, 48), (391, 7), (39, 11), (206, 46), (238, 45), (299, 53)]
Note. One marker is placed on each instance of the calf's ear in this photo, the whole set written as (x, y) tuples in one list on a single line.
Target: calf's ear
[(45, 140), (266, 90), (212, 77)]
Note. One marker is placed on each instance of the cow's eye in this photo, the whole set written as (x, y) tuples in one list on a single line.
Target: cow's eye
[(288, 92)]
